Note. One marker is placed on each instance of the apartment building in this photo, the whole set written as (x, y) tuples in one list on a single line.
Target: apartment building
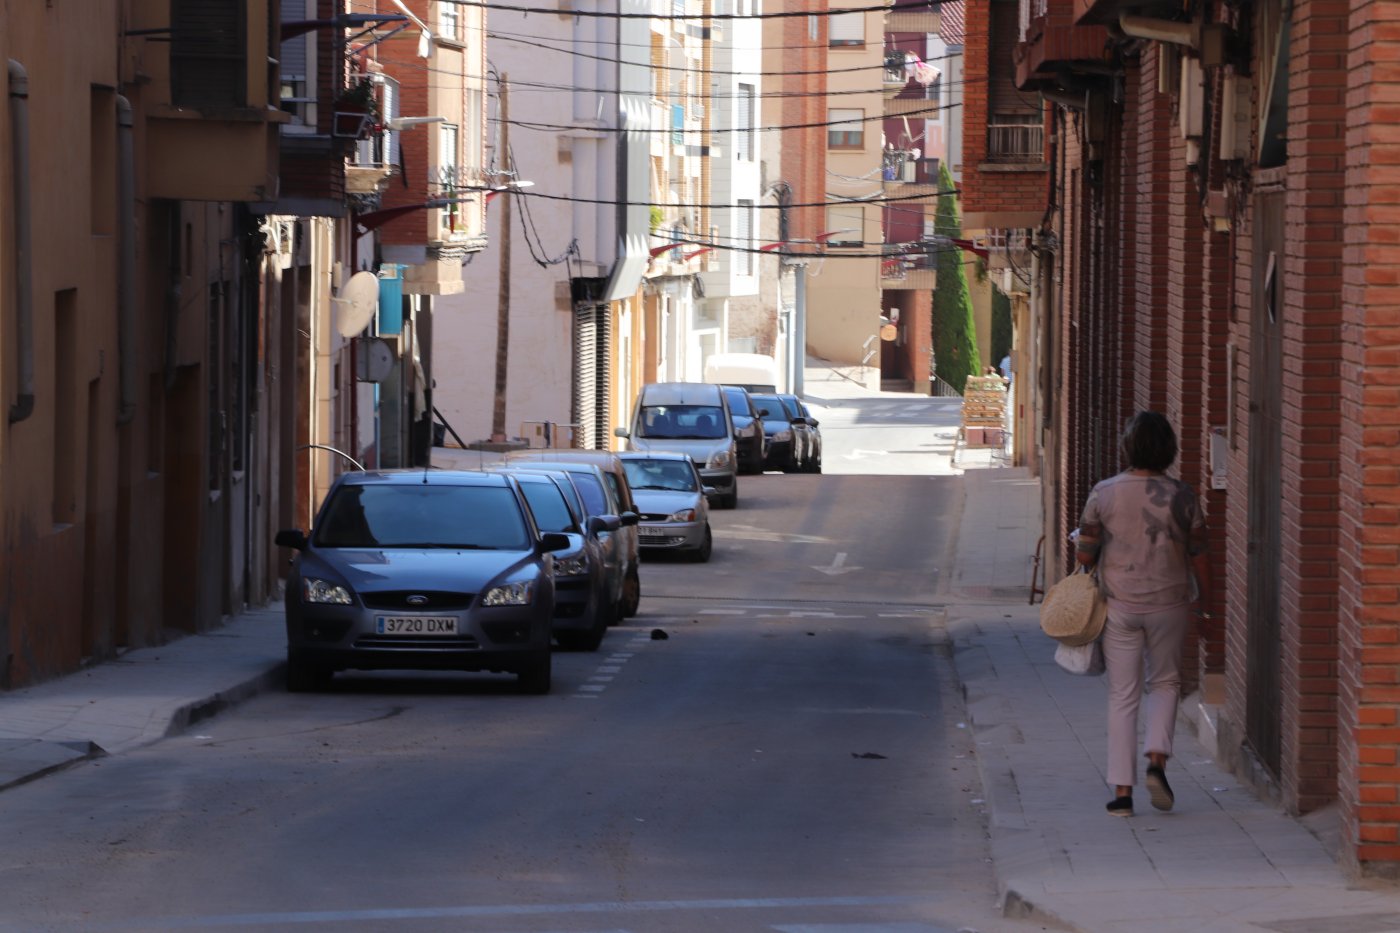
[(843, 302), (141, 340), (569, 135)]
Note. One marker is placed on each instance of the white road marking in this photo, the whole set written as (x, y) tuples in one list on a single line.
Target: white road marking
[(286, 918), (723, 612), (838, 566)]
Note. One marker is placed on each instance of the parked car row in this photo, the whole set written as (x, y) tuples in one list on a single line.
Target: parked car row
[(463, 569), (484, 570), (794, 439)]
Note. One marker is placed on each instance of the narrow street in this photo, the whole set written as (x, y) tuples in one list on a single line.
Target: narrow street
[(776, 742)]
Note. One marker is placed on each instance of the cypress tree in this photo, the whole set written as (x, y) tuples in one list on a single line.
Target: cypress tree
[(954, 332)]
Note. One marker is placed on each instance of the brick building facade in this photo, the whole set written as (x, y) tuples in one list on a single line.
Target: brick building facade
[(1219, 244)]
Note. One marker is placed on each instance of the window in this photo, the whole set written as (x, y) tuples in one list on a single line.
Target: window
[(743, 123), (847, 29), (677, 124), (743, 235), (448, 136), (472, 158), (813, 26), (846, 129), (449, 21), (845, 224), (1016, 137)]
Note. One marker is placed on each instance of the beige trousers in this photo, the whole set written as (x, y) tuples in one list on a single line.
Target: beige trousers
[(1142, 650)]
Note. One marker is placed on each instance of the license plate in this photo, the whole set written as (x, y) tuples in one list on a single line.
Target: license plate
[(647, 532), (415, 625)]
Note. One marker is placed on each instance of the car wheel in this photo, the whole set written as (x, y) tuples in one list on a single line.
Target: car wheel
[(631, 595), (537, 677), (701, 554), (305, 677)]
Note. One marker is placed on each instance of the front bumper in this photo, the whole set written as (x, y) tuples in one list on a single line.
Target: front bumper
[(336, 638), (666, 535)]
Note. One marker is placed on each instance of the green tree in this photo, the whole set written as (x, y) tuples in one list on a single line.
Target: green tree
[(1001, 325), (954, 331)]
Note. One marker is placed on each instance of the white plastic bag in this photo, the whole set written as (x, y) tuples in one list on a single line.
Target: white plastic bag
[(1081, 659)]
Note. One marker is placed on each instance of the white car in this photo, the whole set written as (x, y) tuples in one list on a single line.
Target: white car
[(672, 501)]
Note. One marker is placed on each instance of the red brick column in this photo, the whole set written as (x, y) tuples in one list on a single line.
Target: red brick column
[(1369, 448)]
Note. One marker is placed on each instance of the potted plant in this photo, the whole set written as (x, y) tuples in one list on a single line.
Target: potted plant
[(356, 110)]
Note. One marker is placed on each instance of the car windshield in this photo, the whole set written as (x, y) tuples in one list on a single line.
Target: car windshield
[(660, 474), (683, 421), (423, 516), (548, 505), (771, 404), (790, 406), (738, 401)]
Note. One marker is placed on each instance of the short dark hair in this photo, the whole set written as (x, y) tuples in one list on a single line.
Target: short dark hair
[(1149, 443)]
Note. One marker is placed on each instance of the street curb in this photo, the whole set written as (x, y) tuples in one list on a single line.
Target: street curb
[(198, 710), (1016, 850), (72, 753)]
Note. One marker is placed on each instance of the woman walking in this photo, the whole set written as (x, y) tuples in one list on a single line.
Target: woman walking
[(1146, 535)]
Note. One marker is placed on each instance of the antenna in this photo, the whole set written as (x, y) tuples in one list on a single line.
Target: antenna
[(356, 304)]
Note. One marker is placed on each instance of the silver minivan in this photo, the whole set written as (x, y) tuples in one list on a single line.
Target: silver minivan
[(691, 418)]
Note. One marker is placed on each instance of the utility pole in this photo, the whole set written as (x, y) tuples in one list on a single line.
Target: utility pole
[(498, 411)]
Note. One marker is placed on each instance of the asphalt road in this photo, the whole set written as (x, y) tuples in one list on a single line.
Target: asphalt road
[(775, 743)]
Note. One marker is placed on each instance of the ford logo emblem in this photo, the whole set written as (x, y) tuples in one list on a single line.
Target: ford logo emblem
[(417, 600)]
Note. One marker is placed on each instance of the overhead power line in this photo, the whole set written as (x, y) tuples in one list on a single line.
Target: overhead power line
[(880, 117), (529, 193), (905, 7)]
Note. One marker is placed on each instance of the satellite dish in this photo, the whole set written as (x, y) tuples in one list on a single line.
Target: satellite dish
[(356, 304)]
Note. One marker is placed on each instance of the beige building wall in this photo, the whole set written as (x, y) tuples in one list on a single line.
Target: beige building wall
[(843, 290)]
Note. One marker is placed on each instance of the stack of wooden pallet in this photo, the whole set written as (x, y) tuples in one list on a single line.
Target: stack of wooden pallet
[(984, 411)]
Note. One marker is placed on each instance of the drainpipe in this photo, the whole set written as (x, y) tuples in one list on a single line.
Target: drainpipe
[(24, 275), (126, 271), (172, 296)]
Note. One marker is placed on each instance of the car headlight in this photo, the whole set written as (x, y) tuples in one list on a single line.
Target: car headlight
[(509, 594), (719, 460), (684, 515), (323, 591), (571, 566), (782, 436)]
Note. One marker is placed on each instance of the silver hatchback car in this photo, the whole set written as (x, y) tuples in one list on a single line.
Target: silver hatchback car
[(673, 503)]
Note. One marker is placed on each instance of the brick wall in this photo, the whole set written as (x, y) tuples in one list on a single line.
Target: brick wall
[(1369, 439)]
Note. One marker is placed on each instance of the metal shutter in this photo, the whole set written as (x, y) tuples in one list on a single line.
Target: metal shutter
[(207, 54), (592, 402)]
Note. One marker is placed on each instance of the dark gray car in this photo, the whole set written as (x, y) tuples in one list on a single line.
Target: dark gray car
[(437, 570)]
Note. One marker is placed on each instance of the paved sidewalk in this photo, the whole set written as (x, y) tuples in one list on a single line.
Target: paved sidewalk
[(139, 698), (1222, 860)]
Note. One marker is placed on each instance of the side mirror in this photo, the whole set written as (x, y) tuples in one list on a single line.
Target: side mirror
[(293, 538), (621, 432), (710, 491), (629, 519), (799, 420), (600, 523), (555, 541), (813, 422), (764, 413)]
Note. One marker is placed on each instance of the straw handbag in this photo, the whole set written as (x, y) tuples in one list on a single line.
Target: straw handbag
[(1073, 611)]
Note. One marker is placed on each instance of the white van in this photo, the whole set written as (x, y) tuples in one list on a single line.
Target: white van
[(691, 418), (752, 371)]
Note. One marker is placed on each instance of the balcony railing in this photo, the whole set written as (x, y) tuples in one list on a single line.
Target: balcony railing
[(1016, 138), (903, 165)]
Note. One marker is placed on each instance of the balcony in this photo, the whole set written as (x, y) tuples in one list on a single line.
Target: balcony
[(896, 77), (214, 108), (1051, 42), (905, 167)]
